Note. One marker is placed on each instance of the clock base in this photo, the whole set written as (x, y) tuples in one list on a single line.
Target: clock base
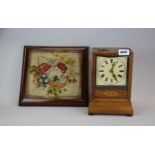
[(110, 107)]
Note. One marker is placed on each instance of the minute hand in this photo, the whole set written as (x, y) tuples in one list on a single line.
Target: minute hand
[(112, 71)]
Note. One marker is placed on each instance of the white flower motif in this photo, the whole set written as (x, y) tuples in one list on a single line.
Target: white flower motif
[(54, 72)]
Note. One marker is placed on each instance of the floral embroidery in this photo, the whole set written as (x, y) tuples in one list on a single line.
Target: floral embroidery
[(62, 67), (54, 74), (43, 68)]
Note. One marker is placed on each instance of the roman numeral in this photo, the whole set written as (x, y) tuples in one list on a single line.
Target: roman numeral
[(111, 80), (120, 66), (102, 76), (111, 60), (119, 75), (106, 62), (106, 79), (121, 70), (101, 71)]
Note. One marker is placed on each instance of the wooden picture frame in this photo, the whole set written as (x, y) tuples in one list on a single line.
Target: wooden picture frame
[(54, 76)]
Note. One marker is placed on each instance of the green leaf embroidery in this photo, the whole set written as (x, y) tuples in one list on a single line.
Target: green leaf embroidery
[(60, 91), (52, 91), (65, 89), (33, 69), (70, 62)]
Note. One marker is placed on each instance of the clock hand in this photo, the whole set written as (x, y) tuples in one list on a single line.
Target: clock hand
[(112, 71), (114, 76)]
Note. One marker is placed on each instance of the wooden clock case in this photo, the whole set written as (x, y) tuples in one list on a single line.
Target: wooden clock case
[(113, 99)]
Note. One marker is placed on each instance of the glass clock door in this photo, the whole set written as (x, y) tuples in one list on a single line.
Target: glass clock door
[(111, 71)]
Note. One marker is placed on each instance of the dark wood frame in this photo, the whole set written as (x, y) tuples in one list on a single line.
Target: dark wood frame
[(83, 101)]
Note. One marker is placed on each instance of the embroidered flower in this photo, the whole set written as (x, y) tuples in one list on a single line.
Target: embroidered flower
[(44, 67), (63, 67)]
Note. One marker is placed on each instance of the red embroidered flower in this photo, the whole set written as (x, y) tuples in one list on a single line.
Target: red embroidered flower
[(43, 68), (63, 67)]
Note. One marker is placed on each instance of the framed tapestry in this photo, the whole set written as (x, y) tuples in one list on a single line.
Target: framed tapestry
[(54, 76)]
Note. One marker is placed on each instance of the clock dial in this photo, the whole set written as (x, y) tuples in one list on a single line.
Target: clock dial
[(111, 71)]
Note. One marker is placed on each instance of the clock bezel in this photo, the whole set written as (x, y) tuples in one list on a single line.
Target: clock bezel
[(112, 86)]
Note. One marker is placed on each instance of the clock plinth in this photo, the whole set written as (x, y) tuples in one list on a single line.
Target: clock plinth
[(110, 107)]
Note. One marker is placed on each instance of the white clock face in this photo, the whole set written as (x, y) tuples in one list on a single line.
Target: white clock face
[(111, 71)]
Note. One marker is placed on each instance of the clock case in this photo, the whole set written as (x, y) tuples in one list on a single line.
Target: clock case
[(111, 99)]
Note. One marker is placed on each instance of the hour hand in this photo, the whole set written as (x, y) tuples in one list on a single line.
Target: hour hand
[(114, 76)]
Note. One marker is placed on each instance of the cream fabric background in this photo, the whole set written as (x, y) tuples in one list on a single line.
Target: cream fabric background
[(73, 90), (142, 41)]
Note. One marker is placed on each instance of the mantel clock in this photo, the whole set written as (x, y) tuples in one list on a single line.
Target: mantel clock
[(111, 81)]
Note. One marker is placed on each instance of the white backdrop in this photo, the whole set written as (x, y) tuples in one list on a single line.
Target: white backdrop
[(142, 41)]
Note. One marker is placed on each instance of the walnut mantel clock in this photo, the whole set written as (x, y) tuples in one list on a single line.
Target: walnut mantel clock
[(112, 77)]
